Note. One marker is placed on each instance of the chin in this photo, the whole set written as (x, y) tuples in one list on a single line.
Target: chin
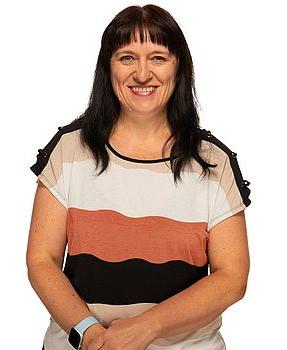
[(144, 110)]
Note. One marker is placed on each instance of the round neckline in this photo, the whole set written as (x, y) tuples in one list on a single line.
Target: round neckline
[(135, 160)]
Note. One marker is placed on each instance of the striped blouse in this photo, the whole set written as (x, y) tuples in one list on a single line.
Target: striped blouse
[(135, 238)]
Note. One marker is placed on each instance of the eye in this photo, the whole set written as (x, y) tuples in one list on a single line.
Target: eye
[(161, 58), (122, 59)]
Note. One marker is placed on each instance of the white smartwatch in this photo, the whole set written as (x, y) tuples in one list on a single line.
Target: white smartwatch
[(77, 332)]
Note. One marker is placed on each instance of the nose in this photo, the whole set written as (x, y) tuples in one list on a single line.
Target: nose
[(142, 73)]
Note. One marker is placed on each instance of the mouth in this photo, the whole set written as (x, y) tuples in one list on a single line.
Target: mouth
[(143, 90)]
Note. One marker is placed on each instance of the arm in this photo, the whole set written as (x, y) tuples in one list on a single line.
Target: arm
[(205, 300), (44, 259)]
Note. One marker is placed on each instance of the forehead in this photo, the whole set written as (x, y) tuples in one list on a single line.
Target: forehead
[(147, 46)]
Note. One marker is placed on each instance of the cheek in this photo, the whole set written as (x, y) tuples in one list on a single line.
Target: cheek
[(168, 76), (114, 78), (118, 75), (118, 82)]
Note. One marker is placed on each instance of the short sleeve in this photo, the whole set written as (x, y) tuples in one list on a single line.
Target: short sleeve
[(49, 168), (228, 191)]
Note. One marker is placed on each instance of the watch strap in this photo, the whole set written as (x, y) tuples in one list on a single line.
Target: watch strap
[(85, 323)]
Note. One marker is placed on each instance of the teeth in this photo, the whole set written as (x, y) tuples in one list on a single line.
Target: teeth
[(143, 89)]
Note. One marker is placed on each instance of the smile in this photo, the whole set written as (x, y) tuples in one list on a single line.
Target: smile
[(143, 91)]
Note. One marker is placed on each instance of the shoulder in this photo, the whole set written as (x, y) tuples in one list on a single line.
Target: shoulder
[(215, 145), (60, 145), (225, 158)]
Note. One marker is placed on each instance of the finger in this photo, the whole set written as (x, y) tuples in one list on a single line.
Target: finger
[(96, 344), (97, 347)]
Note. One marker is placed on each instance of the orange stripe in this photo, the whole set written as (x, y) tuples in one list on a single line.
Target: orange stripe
[(114, 237)]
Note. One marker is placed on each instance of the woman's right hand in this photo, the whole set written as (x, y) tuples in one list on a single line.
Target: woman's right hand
[(93, 338)]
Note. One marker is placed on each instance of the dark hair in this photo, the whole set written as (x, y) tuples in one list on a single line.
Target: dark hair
[(104, 108)]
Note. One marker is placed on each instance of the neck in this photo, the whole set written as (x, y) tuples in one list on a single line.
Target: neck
[(143, 128)]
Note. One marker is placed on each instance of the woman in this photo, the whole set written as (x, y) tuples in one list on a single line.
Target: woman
[(142, 231)]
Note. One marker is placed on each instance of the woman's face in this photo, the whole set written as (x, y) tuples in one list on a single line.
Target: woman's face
[(143, 65)]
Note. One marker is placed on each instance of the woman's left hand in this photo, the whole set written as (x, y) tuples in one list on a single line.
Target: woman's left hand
[(128, 334)]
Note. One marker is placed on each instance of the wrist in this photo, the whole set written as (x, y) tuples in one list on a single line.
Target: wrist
[(151, 326), (89, 334)]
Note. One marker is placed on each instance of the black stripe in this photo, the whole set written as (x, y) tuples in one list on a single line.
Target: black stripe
[(44, 153), (240, 182), (129, 281)]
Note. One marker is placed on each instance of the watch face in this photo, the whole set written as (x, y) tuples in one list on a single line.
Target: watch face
[(74, 338)]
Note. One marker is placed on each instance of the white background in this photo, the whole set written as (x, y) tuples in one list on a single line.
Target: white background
[(48, 56)]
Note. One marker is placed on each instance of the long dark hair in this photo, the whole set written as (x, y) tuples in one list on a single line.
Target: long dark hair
[(104, 108)]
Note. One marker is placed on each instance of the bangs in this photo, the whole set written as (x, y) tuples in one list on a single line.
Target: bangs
[(127, 33)]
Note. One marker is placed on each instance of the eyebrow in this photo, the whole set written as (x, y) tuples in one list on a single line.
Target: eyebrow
[(132, 52)]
